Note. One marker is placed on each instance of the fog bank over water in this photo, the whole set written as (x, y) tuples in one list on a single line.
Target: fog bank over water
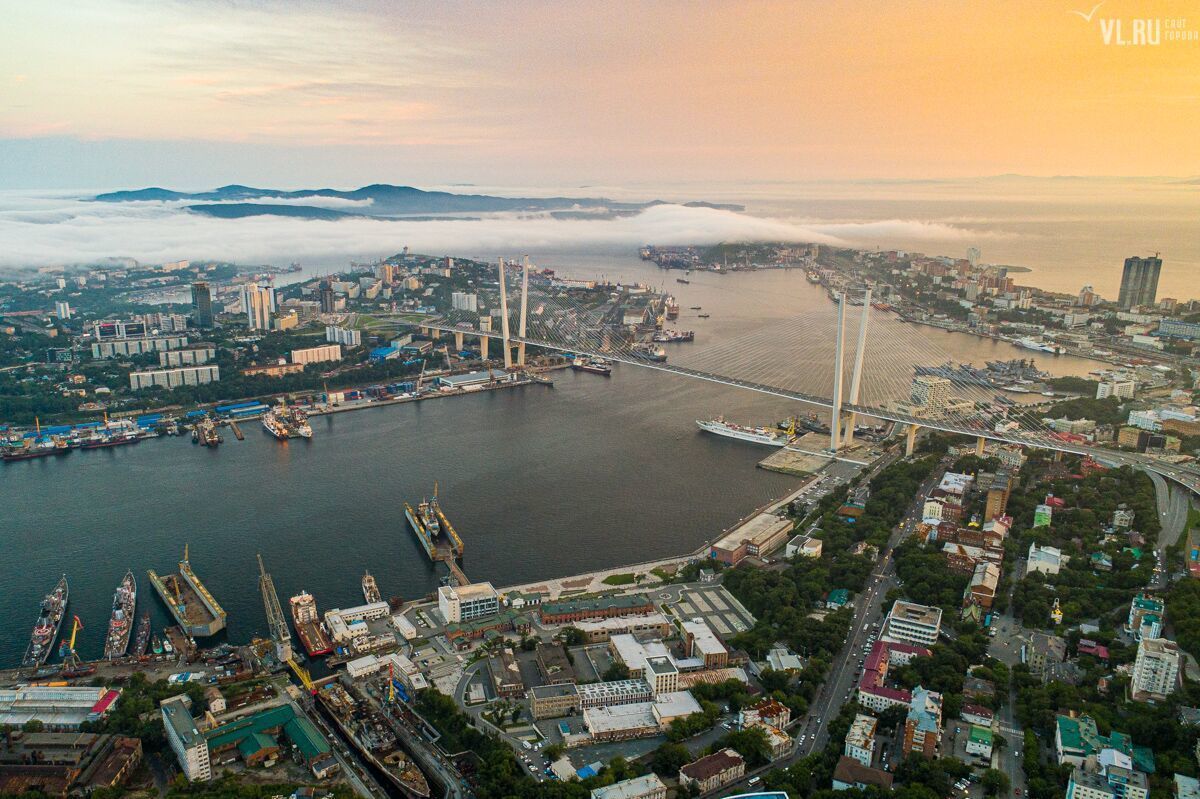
[(1069, 231)]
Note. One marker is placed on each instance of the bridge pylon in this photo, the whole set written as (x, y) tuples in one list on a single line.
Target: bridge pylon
[(856, 377), (835, 421)]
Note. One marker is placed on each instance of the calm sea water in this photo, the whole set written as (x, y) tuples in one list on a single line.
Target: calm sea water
[(540, 481)]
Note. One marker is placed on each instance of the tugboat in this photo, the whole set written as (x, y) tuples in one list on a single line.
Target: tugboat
[(45, 631), (120, 624), (370, 589), (156, 645)]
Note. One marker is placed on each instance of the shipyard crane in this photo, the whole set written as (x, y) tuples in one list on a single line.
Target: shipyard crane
[(71, 658), (275, 620)]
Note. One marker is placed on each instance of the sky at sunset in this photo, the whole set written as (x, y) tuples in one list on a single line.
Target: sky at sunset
[(202, 93)]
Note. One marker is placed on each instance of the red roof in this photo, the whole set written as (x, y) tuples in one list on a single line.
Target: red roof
[(977, 710), (105, 702)]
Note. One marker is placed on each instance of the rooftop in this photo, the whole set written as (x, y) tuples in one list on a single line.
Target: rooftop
[(851, 772), (913, 613), (630, 789), (596, 604), (703, 638), (712, 765), (613, 718)]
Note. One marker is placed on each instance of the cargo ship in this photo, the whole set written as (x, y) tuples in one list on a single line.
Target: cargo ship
[(193, 607), (308, 625), (120, 624), (672, 336), (49, 622), (141, 639), (372, 735), (672, 309), (649, 352), (35, 448), (756, 435), (597, 366), (284, 423), (370, 589)]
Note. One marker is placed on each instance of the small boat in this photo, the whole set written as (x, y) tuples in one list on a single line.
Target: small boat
[(702, 316), (156, 645), (682, 280), (167, 646), (695, 307), (141, 638)]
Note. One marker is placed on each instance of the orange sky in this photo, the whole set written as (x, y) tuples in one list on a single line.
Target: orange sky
[(620, 91)]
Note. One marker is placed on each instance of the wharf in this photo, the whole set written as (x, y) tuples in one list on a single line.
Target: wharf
[(237, 431), (190, 603), (806, 455), (378, 403)]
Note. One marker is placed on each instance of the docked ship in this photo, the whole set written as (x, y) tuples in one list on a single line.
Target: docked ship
[(672, 336), (308, 625), (649, 352), (370, 589), (756, 435), (284, 423), (673, 308), (34, 448), (812, 277), (597, 366), (205, 432), (49, 622), (1040, 346), (120, 624), (429, 524), (190, 603), (372, 735), (141, 638), (997, 374), (112, 434)]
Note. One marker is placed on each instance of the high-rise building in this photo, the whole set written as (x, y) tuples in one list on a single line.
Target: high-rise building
[(186, 740), (62, 309), (259, 304), (1156, 669), (1139, 282), (202, 312), (1087, 297), (973, 256), (462, 301), (923, 727), (328, 299), (930, 393)]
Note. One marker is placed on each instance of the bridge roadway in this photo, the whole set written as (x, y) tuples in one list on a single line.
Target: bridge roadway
[(1186, 475)]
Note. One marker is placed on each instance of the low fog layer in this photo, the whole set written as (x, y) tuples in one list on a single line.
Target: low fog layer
[(40, 230)]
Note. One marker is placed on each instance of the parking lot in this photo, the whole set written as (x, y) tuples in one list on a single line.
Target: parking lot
[(717, 607)]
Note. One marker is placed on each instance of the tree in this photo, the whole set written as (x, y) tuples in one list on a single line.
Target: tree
[(616, 671), (995, 783), (669, 758), (572, 636), (33, 725)]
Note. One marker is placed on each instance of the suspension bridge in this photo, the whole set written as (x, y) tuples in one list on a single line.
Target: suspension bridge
[(773, 358)]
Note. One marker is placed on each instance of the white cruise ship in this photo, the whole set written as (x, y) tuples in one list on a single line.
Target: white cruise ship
[(1039, 346), (756, 435)]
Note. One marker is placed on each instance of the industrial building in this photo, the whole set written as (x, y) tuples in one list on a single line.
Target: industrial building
[(701, 642), (553, 664), (615, 692), (757, 537), (57, 707)]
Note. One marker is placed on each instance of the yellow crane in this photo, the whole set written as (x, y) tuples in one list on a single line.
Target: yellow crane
[(303, 675), (70, 659)]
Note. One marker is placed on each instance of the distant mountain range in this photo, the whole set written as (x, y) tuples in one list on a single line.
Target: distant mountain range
[(380, 200)]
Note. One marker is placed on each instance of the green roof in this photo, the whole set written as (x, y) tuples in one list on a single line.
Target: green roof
[(254, 743), (1081, 734), (249, 733)]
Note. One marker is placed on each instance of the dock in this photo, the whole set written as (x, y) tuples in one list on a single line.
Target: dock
[(806, 454), (237, 431), (192, 606)]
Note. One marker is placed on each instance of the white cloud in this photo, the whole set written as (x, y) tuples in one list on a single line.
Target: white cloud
[(45, 229)]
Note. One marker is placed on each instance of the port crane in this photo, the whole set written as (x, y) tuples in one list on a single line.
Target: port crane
[(71, 658), (275, 619)]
